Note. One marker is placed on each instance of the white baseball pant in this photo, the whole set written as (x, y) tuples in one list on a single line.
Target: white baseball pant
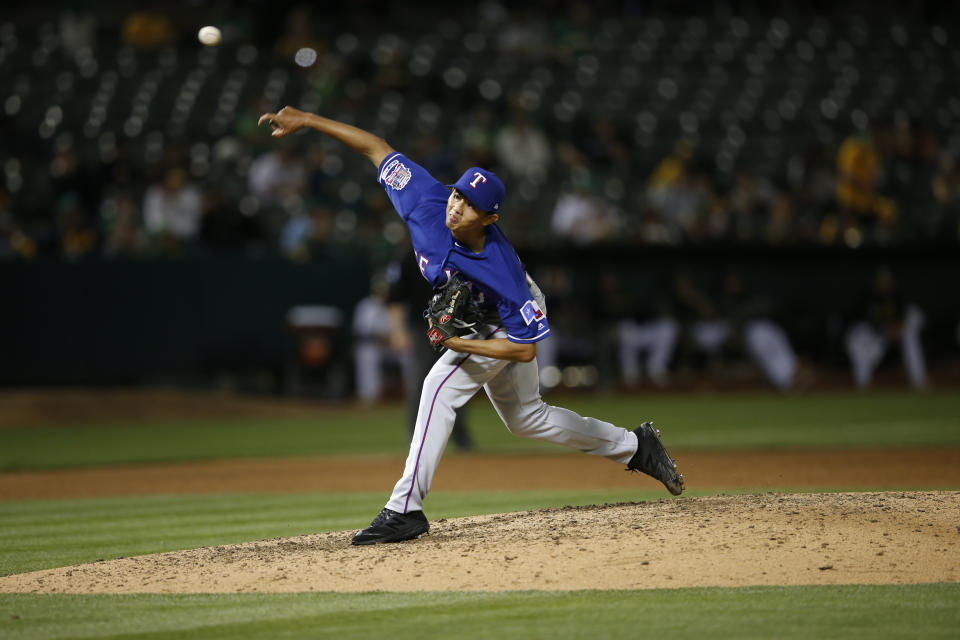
[(866, 348), (766, 343), (769, 346), (514, 390), (657, 338)]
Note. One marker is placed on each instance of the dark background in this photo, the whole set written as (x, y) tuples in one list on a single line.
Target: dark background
[(79, 310)]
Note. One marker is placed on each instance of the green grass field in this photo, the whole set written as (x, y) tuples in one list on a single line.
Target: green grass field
[(868, 612), (731, 421), (48, 533)]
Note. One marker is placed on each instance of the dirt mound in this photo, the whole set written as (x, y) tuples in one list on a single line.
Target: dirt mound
[(768, 539)]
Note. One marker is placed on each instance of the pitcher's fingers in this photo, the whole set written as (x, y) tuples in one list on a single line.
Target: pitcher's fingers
[(265, 117)]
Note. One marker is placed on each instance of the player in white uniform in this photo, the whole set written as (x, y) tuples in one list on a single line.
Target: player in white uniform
[(884, 317), (453, 230)]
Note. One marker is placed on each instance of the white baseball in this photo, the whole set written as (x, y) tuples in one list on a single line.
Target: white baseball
[(209, 36)]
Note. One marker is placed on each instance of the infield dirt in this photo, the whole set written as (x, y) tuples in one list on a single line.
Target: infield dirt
[(704, 470)]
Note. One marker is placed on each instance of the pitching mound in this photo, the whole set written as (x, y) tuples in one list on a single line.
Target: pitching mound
[(769, 539)]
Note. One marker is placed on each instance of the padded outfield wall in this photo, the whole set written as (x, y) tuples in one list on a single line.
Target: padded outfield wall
[(152, 320)]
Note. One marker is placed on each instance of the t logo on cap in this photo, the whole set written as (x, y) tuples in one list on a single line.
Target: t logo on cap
[(482, 188)]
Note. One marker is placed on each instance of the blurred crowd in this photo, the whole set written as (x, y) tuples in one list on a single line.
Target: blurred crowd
[(574, 175)]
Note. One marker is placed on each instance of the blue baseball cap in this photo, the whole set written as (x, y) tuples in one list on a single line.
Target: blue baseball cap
[(482, 188)]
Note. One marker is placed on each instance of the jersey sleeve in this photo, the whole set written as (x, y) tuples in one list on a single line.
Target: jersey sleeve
[(405, 182), (523, 316)]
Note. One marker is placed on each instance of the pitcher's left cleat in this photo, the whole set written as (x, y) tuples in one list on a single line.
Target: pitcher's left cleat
[(652, 459), (392, 526)]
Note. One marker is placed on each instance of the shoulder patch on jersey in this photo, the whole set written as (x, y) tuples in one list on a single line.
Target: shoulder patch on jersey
[(530, 311), (395, 175)]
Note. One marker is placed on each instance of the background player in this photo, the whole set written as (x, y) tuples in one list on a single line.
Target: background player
[(454, 231), (882, 317), (405, 297)]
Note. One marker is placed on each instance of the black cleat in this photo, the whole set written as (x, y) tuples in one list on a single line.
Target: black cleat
[(391, 526), (652, 459)]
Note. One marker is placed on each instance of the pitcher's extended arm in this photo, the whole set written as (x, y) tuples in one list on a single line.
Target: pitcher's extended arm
[(499, 348), (288, 120)]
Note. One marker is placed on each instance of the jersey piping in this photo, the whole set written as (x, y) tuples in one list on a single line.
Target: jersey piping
[(539, 336)]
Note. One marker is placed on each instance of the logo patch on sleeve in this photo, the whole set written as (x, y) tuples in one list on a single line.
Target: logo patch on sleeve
[(396, 175), (530, 311)]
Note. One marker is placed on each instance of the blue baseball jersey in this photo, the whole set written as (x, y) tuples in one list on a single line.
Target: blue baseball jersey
[(498, 277)]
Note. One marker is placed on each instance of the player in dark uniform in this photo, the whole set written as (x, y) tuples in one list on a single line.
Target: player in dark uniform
[(405, 301), (453, 230)]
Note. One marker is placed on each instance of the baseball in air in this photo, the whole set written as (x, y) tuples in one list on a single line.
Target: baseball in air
[(209, 36)]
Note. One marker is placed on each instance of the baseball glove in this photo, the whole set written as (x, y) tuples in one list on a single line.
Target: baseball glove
[(452, 311)]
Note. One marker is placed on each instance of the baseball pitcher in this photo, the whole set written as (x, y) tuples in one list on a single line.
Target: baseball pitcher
[(487, 315)]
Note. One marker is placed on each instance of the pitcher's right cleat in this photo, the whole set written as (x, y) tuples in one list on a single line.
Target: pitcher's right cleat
[(652, 459), (392, 526)]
